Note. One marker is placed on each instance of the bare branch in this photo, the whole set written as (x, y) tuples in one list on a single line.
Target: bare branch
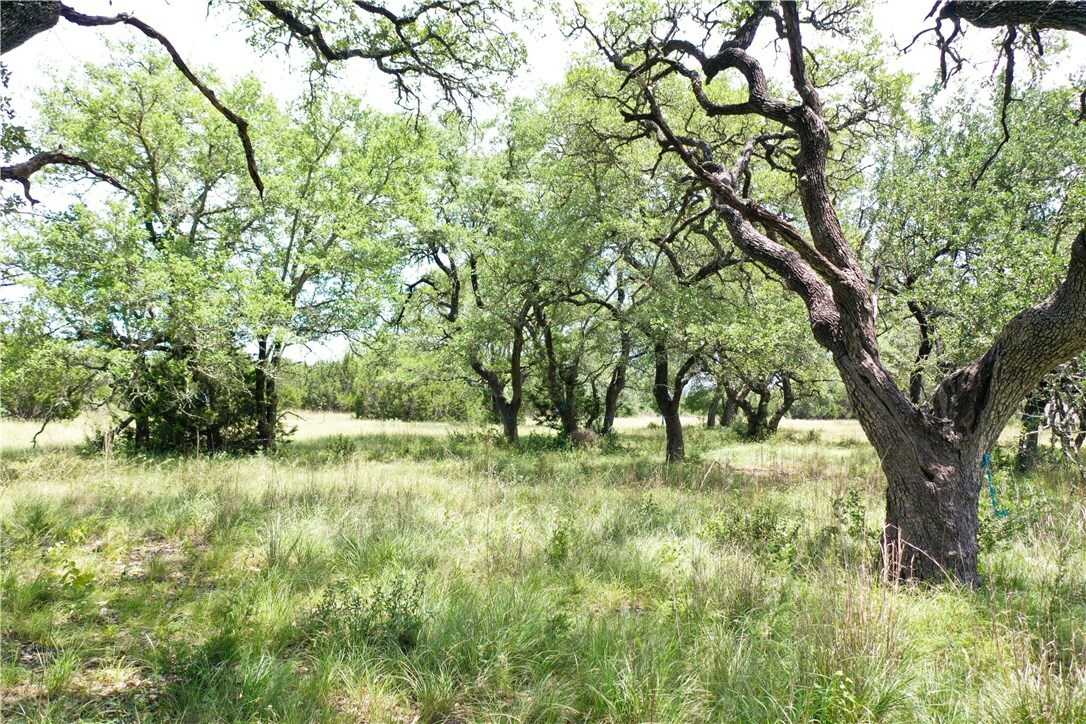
[(22, 172), (240, 123)]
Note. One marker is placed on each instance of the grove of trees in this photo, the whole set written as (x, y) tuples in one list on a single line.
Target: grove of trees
[(728, 205)]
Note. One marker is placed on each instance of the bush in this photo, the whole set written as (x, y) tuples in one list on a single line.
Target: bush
[(379, 613), (770, 531)]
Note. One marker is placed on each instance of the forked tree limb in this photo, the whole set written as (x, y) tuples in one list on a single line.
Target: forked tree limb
[(1043, 14), (22, 172), (24, 20), (124, 18)]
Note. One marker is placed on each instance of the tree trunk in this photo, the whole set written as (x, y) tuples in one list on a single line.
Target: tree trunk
[(758, 417), (728, 416), (668, 395), (714, 407), (265, 397), (510, 428), (560, 379), (676, 445), (567, 415), (507, 409), (932, 515), (617, 384)]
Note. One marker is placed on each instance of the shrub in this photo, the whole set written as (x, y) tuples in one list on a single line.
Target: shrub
[(376, 612), (767, 530)]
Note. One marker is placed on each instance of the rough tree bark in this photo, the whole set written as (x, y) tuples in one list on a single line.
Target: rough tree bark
[(761, 421), (506, 408), (931, 454), (21, 21), (1049, 14), (668, 393)]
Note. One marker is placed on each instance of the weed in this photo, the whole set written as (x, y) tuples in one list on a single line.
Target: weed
[(769, 530), (341, 446), (558, 546), (381, 612), (1024, 506)]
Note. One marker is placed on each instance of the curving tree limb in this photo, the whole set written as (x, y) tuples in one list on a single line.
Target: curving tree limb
[(21, 21), (22, 172)]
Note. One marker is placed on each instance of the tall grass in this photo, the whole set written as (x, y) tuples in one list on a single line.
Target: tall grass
[(414, 573)]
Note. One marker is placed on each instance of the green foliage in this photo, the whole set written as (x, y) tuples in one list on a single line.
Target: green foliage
[(768, 530), (41, 377), (383, 612), (972, 251), (396, 382), (1026, 505), (559, 544)]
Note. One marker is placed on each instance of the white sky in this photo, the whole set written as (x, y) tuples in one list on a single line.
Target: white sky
[(214, 38)]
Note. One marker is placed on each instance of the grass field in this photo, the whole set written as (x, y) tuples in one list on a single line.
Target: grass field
[(418, 572)]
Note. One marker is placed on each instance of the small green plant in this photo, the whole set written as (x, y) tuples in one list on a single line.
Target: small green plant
[(341, 446), (850, 519), (74, 578), (387, 612), (768, 530), (60, 671), (1025, 507), (558, 546), (840, 702)]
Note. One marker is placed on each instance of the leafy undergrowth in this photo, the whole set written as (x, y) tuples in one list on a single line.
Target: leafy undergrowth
[(451, 578)]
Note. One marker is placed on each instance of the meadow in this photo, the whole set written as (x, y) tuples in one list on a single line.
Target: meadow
[(397, 572)]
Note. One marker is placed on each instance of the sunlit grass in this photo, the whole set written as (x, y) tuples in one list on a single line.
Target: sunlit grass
[(552, 585)]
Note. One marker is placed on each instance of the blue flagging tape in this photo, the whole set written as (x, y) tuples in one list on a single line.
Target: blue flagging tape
[(996, 510)]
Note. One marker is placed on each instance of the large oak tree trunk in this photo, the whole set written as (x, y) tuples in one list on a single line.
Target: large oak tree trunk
[(932, 510)]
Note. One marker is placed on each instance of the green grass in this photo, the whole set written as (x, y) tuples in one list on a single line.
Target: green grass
[(395, 573)]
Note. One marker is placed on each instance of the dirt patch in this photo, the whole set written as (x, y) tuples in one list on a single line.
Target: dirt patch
[(159, 560), (29, 654)]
